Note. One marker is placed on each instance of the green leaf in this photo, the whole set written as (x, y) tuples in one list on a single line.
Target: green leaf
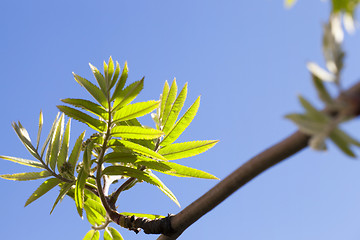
[(97, 208), (139, 149), (109, 72), (87, 158), (50, 135), (121, 83), (134, 132), (88, 106), (79, 191), (25, 139), (163, 97), (42, 189), (116, 75), (313, 112), (75, 153), (22, 161), (92, 235), (142, 215), (182, 124), (107, 235), (64, 147), (135, 110), (99, 78), (26, 176), (306, 124), (175, 110), (164, 189), (347, 137), (173, 169), (83, 117), (341, 142), (321, 90), (120, 157), (55, 143), (186, 149), (41, 120), (63, 191), (169, 101), (114, 233), (128, 95), (93, 216), (142, 176), (93, 90)]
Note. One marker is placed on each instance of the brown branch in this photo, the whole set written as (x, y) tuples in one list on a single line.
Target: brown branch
[(252, 168)]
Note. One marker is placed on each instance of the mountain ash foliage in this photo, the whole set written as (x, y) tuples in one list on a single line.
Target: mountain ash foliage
[(121, 149)]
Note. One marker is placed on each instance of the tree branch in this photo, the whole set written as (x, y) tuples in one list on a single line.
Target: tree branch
[(252, 168)]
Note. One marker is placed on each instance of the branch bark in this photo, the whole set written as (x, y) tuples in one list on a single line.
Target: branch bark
[(252, 168)]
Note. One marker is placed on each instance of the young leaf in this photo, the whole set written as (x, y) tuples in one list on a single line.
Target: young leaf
[(175, 110), (321, 90), (164, 96), (92, 235), (312, 111), (306, 124), (92, 209), (121, 83), (25, 138), (109, 72), (186, 149), (342, 142), (63, 191), (79, 191), (26, 176), (116, 75), (22, 161), (142, 176), (64, 147), (88, 106), (42, 189), (96, 206), (135, 110), (49, 135), (129, 94), (134, 132), (41, 120), (114, 233), (55, 143), (93, 90), (75, 153), (139, 149), (169, 101), (99, 78), (182, 124), (83, 117)]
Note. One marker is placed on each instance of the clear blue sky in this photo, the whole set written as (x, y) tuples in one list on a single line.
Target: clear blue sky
[(246, 58)]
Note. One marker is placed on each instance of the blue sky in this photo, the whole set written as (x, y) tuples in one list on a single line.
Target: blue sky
[(245, 58)]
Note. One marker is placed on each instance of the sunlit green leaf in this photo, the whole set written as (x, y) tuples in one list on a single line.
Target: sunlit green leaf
[(75, 153), (41, 120), (116, 75), (134, 132), (22, 161), (121, 83), (93, 216), (93, 90), (79, 191), (55, 143), (169, 101), (164, 96), (115, 234), (25, 138), (99, 78), (96, 206), (83, 117), (49, 135), (182, 124), (128, 94), (109, 72), (92, 235), (186, 149), (88, 106), (135, 110), (63, 191), (26, 176), (175, 110), (64, 146), (87, 158), (139, 149), (163, 188), (42, 189)]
